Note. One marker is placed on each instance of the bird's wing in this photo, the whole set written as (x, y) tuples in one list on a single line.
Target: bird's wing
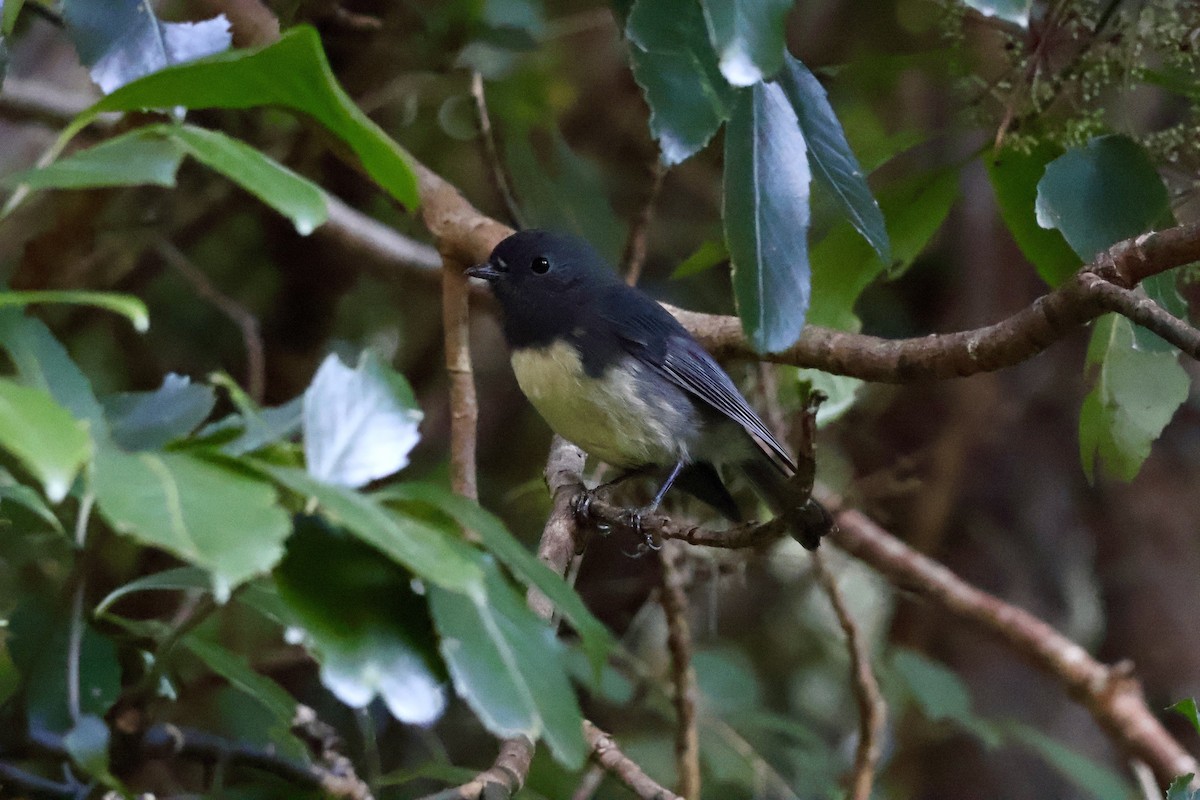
[(656, 339)]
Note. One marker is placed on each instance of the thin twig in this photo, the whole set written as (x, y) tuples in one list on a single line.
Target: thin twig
[(238, 314), (673, 598), (609, 755), (872, 710), (634, 257), (491, 153), (464, 408)]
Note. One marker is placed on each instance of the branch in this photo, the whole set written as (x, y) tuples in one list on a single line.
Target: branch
[(679, 641), (634, 257), (872, 710), (609, 756), (1110, 693), (464, 408), (491, 153)]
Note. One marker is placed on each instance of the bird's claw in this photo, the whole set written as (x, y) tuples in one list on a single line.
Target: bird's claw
[(632, 519)]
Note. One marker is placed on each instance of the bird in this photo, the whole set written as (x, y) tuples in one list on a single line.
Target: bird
[(611, 371)]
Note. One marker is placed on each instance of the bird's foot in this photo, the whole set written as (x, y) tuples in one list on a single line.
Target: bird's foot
[(632, 519), (581, 506)]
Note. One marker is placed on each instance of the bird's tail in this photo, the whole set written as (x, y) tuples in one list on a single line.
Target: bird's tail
[(807, 519)]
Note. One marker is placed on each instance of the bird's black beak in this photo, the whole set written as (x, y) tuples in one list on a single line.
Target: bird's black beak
[(484, 271)]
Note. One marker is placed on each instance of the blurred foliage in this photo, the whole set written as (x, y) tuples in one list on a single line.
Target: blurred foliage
[(175, 546)]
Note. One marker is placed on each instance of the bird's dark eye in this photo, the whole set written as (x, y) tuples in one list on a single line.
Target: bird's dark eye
[(540, 265)]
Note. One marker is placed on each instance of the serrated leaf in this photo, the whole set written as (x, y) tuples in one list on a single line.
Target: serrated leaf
[(843, 264), (830, 156), (1181, 788), (44, 437), (1015, 176), (123, 40), (1100, 194), (234, 668), (292, 73), (766, 217), (359, 423), (148, 420), (674, 62), (1187, 707), (1136, 392), (748, 36), (293, 196), (429, 552), (597, 642), (508, 666), (43, 362), (362, 621), (1014, 11), (225, 521)]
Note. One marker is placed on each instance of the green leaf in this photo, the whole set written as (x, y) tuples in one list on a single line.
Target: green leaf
[(47, 440), (1015, 11), (178, 579), (509, 667), (43, 362), (1100, 194), (1136, 392), (597, 641), (766, 217), (1094, 778), (1181, 788), (829, 154), (429, 552), (39, 633), (1187, 707), (27, 498), (362, 621), (674, 63), (267, 426), (1015, 176), (234, 668), (748, 36), (126, 305), (359, 424), (222, 520), (706, 256), (148, 420), (122, 40), (151, 155), (841, 392), (12, 8), (293, 196), (292, 73), (564, 192), (131, 159), (843, 264), (940, 694)]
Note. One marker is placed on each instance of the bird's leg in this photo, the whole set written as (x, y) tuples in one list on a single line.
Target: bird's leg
[(633, 516), (581, 504)]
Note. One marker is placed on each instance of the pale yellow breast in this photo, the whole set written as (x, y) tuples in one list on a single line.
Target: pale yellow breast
[(611, 417)]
